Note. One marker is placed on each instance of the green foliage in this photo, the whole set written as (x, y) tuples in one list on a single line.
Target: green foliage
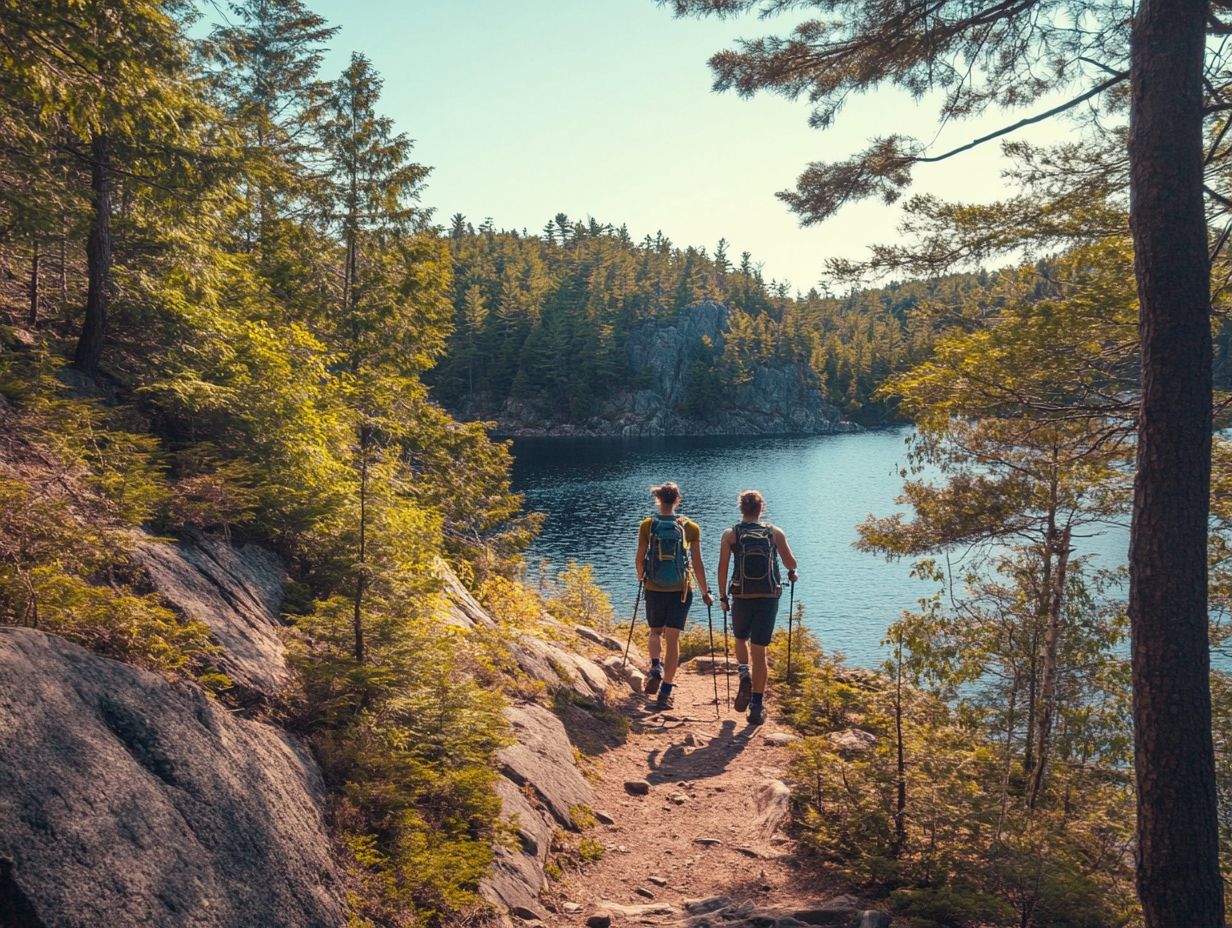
[(63, 569), (406, 739), (546, 322), (578, 599), (970, 854), (276, 297)]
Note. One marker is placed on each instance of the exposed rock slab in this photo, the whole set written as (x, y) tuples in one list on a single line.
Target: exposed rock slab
[(542, 758), (555, 665), (125, 800), (237, 592)]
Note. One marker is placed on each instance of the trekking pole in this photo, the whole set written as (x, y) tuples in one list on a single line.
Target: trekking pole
[(633, 621), (726, 662), (791, 612), (714, 664)]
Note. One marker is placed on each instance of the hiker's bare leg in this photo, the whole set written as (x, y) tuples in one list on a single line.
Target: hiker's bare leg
[(742, 652), (759, 670), (673, 654), (655, 643)]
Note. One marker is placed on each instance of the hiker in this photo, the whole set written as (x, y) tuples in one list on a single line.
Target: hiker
[(669, 562), (755, 589)]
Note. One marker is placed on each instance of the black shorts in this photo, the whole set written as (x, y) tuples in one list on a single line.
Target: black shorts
[(753, 619), (666, 609)]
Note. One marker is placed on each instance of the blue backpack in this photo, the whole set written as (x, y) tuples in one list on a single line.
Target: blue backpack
[(667, 555)]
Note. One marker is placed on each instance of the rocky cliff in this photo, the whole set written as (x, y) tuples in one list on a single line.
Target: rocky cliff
[(127, 800), (672, 390)]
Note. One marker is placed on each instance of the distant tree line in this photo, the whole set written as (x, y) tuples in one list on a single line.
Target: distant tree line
[(546, 318)]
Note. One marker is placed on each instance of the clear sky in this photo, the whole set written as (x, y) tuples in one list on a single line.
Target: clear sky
[(604, 108)]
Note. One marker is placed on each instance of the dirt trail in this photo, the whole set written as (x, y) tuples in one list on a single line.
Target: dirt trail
[(711, 824)]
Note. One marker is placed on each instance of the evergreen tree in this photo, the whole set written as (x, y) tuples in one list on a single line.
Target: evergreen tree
[(263, 69), (1013, 54)]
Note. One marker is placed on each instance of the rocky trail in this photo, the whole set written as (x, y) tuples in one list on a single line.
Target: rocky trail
[(692, 813)]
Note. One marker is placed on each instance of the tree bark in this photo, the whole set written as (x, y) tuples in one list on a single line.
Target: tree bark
[(1178, 873), (361, 567), (34, 286), (1048, 681), (98, 258), (900, 807)]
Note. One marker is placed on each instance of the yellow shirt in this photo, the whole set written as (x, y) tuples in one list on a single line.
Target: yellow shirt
[(692, 536)]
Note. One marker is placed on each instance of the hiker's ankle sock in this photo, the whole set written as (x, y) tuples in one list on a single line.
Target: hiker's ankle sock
[(655, 662), (756, 699), (743, 670), (666, 690)]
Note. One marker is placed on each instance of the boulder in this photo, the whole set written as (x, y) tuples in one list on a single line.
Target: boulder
[(237, 592), (852, 741), (780, 739), (772, 801), (841, 910), (706, 664), (637, 787), (626, 672), (706, 905), (126, 800), (540, 659), (597, 637), (458, 606)]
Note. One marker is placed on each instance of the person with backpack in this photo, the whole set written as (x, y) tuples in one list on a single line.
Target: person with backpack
[(669, 562), (755, 548)]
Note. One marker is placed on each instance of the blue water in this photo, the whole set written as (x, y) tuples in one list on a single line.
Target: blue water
[(817, 488)]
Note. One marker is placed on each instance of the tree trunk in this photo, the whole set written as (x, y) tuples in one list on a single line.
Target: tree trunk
[(900, 809), (63, 272), (361, 570), (1048, 681), (1178, 873), (98, 259), (34, 286), (1011, 721)]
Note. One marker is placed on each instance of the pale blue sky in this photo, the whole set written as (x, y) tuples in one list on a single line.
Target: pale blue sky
[(525, 108)]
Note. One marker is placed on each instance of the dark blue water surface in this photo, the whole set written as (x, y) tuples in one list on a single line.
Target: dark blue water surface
[(817, 488)]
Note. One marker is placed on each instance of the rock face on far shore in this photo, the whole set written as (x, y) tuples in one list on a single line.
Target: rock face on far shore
[(666, 359), (126, 800)]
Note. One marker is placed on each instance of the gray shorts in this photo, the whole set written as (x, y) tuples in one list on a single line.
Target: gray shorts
[(753, 619)]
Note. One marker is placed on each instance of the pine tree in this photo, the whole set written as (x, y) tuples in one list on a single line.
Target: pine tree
[(263, 70), (1014, 54), (376, 327)]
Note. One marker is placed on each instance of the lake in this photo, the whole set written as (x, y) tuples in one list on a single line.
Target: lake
[(817, 488)]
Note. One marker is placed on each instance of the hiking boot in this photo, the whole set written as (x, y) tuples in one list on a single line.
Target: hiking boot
[(757, 714), (654, 677), (665, 701), (743, 693)]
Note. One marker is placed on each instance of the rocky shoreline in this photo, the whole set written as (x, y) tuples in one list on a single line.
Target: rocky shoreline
[(664, 424)]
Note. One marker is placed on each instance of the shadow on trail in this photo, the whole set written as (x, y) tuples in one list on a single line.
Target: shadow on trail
[(681, 764)]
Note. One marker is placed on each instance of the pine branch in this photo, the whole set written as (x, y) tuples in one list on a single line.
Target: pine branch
[(1030, 120)]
